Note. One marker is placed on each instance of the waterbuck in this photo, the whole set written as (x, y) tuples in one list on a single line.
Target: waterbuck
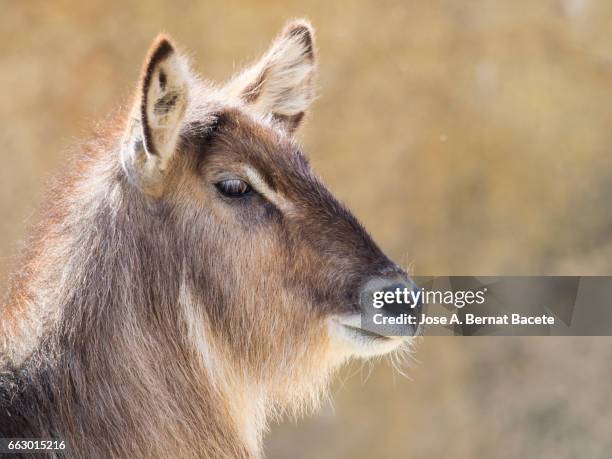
[(191, 277)]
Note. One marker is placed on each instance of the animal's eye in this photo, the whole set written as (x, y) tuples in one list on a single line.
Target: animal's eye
[(233, 188)]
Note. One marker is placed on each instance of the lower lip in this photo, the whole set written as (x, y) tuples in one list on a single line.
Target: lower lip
[(365, 333)]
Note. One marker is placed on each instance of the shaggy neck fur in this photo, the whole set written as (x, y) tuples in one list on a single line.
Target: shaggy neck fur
[(102, 344), (107, 338)]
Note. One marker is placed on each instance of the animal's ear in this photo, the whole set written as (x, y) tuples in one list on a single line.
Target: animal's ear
[(282, 82), (155, 122)]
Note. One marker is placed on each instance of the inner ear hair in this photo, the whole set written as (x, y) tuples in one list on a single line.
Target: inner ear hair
[(160, 50), (164, 93), (282, 82), (152, 134)]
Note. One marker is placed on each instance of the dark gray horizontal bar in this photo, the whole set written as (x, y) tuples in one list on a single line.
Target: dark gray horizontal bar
[(494, 305)]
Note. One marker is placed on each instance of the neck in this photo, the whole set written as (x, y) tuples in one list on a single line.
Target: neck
[(113, 364), (146, 401)]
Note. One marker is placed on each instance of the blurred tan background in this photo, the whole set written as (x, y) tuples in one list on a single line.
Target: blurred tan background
[(470, 137)]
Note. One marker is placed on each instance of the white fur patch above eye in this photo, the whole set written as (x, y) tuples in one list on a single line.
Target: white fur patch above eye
[(261, 186)]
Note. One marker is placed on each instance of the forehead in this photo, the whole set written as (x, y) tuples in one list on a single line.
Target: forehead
[(232, 138)]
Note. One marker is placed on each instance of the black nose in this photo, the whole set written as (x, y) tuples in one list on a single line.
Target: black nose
[(395, 297)]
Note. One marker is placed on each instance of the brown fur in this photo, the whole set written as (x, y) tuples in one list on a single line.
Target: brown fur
[(176, 323)]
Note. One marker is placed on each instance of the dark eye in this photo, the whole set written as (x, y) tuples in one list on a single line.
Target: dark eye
[(233, 188)]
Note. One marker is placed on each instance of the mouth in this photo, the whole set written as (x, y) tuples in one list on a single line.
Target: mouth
[(365, 333), (363, 343)]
